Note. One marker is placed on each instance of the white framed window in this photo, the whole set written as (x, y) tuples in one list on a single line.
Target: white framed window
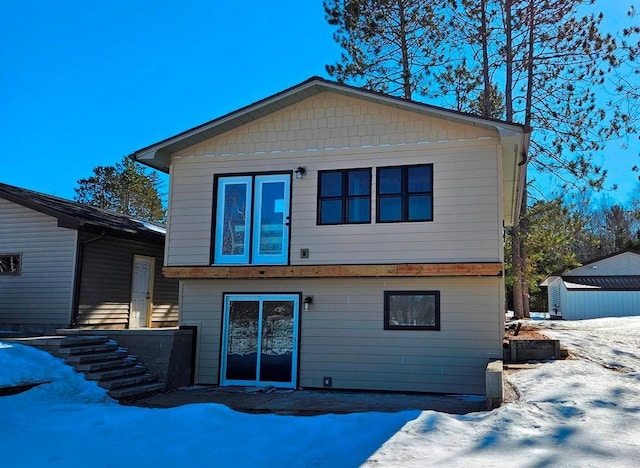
[(252, 220)]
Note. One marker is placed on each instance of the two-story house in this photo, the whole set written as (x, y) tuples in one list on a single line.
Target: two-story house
[(328, 236)]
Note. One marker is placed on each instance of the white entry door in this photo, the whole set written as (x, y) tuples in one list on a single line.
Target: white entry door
[(260, 340), (141, 291)]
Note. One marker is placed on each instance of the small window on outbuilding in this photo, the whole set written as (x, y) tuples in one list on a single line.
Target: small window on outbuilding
[(10, 264), (412, 310)]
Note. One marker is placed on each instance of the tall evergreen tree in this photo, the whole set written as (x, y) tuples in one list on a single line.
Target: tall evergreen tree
[(124, 188), (388, 45), (550, 57), (552, 231), (614, 226)]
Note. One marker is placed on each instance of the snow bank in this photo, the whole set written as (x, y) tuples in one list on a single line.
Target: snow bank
[(572, 413), (575, 413), (71, 423), (24, 364)]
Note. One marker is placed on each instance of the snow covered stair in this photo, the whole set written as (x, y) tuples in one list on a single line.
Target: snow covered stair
[(103, 360)]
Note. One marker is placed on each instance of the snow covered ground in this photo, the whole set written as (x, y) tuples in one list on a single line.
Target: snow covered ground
[(575, 413), (580, 412)]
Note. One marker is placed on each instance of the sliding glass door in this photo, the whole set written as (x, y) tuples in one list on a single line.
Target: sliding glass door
[(259, 342)]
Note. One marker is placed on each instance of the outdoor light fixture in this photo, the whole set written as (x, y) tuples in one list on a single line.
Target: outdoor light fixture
[(300, 172), (307, 301)]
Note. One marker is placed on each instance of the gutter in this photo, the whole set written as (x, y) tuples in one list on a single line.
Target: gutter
[(522, 176)]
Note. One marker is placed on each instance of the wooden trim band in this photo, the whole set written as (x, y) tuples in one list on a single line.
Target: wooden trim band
[(334, 271)]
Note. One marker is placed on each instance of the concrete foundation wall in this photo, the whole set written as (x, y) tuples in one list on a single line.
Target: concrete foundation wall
[(32, 329), (165, 352), (532, 350), (494, 383)]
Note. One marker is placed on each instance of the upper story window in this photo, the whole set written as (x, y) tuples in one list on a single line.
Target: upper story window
[(252, 220), (10, 264), (405, 193), (344, 196)]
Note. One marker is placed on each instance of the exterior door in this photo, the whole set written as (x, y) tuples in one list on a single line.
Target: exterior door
[(141, 291), (271, 220), (252, 220), (260, 340)]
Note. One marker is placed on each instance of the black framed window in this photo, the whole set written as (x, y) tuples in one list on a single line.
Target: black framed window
[(412, 310), (405, 193), (344, 196), (10, 264)]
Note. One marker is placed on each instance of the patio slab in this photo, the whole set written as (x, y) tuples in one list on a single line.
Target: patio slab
[(313, 402)]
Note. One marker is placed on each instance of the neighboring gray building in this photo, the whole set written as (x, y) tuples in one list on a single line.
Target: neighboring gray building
[(606, 287), (329, 236), (64, 264)]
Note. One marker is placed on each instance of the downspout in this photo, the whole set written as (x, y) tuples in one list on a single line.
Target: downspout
[(77, 281)]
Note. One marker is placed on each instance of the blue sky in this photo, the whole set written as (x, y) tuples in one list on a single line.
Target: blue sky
[(84, 83)]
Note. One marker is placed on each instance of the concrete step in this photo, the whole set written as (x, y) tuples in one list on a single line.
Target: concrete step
[(50, 344), (88, 349), (101, 359), (81, 340), (112, 374), (127, 381), (135, 392), (97, 357), (107, 365)]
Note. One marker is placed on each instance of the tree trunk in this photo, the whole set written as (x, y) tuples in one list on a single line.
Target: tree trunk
[(516, 264), (518, 252), (520, 285), (508, 86), (524, 230), (529, 66), (486, 77), (406, 70)]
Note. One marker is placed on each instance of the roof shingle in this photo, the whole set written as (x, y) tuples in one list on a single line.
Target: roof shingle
[(75, 215)]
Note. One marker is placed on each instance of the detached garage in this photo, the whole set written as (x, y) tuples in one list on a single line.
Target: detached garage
[(606, 287)]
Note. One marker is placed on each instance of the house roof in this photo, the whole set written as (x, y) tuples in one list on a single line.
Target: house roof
[(592, 267), (603, 283), (611, 255), (74, 215), (514, 137)]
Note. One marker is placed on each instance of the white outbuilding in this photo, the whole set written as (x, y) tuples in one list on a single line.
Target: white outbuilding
[(606, 287)]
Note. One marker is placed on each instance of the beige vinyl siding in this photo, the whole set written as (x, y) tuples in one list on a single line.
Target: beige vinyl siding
[(342, 335), (40, 297), (335, 132), (105, 299)]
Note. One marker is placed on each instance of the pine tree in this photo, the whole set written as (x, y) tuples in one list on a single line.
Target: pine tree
[(388, 45), (614, 226), (124, 188), (549, 58), (553, 229)]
